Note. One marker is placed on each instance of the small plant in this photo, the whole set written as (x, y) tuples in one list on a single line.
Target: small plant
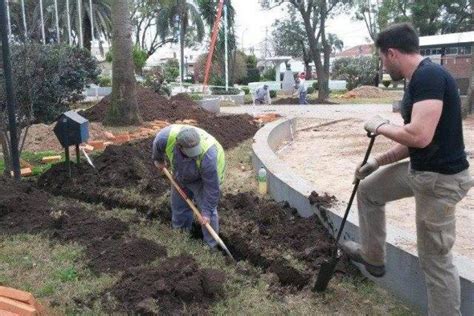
[(246, 90), (311, 90), (315, 86), (222, 91), (68, 274), (105, 81), (386, 83), (196, 97), (273, 94)]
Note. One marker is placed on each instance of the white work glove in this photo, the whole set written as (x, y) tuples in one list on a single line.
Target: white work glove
[(374, 123), (364, 171)]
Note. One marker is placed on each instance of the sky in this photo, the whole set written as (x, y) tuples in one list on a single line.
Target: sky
[(252, 21)]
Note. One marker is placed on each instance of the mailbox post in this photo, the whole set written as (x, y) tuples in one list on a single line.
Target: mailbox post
[(71, 129)]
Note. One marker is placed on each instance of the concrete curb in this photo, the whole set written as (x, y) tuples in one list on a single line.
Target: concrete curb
[(404, 277)]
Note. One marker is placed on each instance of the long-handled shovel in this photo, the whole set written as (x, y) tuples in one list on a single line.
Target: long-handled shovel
[(329, 267), (197, 213)]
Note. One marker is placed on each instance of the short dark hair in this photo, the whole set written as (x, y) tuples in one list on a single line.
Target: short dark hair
[(401, 36)]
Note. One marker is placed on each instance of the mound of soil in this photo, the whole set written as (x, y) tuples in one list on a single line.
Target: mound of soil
[(23, 208), (261, 231), (121, 254), (284, 101), (164, 289), (367, 92), (126, 166), (229, 130)]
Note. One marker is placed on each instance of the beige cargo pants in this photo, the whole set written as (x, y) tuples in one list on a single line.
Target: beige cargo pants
[(436, 196)]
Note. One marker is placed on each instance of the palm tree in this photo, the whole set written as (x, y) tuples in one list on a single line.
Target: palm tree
[(123, 109), (185, 17), (101, 15)]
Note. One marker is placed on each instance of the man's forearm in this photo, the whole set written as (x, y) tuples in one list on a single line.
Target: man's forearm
[(404, 135), (396, 153)]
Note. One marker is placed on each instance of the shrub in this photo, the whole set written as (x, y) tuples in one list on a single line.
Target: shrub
[(50, 77), (171, 70), (139, 56), (246, 90), (222, 91), (105, 81), (196, 97), (386, 83), (356, 71), (315, 86), (273, 93), (253, 75), (269, 74), (311, 90)]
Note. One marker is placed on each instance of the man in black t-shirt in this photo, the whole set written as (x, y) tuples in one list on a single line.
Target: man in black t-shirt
[(436, 175)]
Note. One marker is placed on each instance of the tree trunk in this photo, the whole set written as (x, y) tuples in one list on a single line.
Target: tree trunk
[(123, 109), (86, 26), (6, 154)]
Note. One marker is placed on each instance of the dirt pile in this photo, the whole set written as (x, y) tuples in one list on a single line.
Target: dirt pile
[(178, 285), (23, 208), (367, 92), (261, 231), (119, 167), (121, 254), (324, 200), (229, 130)]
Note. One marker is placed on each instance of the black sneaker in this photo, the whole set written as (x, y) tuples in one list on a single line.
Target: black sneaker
[(352, 249)]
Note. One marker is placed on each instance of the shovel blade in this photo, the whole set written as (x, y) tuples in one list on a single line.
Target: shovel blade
[(325, 275)]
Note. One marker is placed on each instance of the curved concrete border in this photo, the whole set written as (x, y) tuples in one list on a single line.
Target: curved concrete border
[(404, 277)]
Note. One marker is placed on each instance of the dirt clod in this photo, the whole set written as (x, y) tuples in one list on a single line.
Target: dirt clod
[(324, 200)]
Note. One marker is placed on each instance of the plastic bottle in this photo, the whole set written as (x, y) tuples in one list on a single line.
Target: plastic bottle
[(262, 181)]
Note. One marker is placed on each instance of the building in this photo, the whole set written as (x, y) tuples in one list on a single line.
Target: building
[(357, 51), (453, 51)]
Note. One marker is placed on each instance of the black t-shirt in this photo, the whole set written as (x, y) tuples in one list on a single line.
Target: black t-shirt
[(445, 154)]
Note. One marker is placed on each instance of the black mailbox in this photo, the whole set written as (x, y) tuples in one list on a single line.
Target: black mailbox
[(71, 129)]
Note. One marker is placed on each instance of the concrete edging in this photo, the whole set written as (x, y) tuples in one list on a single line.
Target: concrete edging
[(404, 276)]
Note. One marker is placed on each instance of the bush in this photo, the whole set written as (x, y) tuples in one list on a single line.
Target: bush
[(49, 77), (253, 75), (105, 81), (171, 70), (139, 56), (196, 97), (246, 90), (386, 83), (273, 94), (269, 74), (222, 91), (356, 71), (311, 90), (315, 86)]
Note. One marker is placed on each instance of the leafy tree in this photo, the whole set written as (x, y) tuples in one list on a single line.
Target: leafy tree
[(47, 78), (356, 71), (139, 57), (314, 14)]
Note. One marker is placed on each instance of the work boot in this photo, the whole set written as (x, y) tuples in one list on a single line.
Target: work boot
[(353, 250)]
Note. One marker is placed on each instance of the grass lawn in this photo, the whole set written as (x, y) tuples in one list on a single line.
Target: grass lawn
[(34, 159)]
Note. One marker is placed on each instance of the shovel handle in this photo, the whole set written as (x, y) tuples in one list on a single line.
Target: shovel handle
[(196, 212), (356, 186)]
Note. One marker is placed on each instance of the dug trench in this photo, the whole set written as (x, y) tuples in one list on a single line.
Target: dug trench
[(110, 247)]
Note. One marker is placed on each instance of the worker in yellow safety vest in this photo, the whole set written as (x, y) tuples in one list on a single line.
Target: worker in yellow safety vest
[(197, 161)]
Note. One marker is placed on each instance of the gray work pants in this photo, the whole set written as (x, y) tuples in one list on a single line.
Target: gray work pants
[(436, 196)]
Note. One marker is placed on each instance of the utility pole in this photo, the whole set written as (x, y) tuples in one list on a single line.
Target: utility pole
[(226, 58), (6, 67)]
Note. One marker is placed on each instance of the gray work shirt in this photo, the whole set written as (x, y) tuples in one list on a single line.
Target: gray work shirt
[(261, 94), (185, 170)]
